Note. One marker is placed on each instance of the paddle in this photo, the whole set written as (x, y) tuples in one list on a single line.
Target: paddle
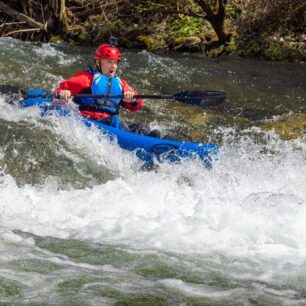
[(201, 98)]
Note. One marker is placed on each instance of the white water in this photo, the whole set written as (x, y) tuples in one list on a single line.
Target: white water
[(250, 204)]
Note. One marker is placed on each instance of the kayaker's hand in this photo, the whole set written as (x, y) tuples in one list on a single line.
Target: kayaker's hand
[(128, 96), (65, 94)]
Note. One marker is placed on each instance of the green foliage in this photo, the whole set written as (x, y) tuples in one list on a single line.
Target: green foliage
[(186, 26), (231, 46), (251, 49), (166, 25), (276, 53)]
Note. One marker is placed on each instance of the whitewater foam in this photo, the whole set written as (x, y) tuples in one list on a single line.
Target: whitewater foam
[(242, 206)]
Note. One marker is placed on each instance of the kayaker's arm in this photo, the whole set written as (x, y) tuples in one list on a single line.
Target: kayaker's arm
[(76, 84), (133, 105)]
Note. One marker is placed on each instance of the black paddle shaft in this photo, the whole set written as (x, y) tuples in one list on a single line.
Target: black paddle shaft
[(200, 98)]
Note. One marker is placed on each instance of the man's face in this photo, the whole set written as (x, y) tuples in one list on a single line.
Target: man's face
[(108, 67)]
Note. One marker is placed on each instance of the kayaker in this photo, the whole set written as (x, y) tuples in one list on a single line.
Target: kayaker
[(104, 81)]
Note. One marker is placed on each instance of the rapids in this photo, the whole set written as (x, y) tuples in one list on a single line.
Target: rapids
[(82, 224)]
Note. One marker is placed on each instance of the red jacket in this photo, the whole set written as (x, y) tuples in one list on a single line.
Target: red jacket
[(83, 80)]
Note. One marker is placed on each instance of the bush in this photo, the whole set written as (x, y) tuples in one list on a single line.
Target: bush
[(276, 53)]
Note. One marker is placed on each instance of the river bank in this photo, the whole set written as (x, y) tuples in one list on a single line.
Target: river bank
[(252, 29)]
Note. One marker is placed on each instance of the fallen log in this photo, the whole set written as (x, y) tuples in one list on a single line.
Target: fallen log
[(21, 17)]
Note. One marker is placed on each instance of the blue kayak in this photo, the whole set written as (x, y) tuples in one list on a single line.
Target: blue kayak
[(146, 148)]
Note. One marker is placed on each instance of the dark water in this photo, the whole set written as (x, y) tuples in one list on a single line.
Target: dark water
[(81, 224)]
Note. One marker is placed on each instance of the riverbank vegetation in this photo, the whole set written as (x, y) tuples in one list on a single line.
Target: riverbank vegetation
[(268, 29)]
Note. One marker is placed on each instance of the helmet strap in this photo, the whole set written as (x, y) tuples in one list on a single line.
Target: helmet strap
[(98, 66)]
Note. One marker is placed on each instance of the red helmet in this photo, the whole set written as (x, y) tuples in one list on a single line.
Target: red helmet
[(106, 51)]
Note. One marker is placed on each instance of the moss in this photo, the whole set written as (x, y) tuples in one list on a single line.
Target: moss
[(289, 127), (190, 43), (83, 35), (153, 42), (56, 38)]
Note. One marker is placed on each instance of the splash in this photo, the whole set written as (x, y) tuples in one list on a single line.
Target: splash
[(252, 201)]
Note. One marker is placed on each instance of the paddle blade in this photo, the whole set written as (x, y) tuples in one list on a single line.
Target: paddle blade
[(202, 98)]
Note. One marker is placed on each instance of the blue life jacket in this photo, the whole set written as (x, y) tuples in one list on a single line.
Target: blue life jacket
[(103, 85)]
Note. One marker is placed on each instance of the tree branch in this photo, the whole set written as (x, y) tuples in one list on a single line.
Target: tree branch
[(206, 8), (21, 17), (10, 23), (22, 31)]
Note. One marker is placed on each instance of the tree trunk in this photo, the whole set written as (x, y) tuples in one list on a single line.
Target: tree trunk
[(218, 26), (215, 19), (57, 21)]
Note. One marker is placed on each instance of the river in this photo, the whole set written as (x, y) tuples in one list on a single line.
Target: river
[(82, 224)]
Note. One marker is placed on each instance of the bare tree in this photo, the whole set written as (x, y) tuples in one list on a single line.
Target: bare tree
[(216, 19)]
